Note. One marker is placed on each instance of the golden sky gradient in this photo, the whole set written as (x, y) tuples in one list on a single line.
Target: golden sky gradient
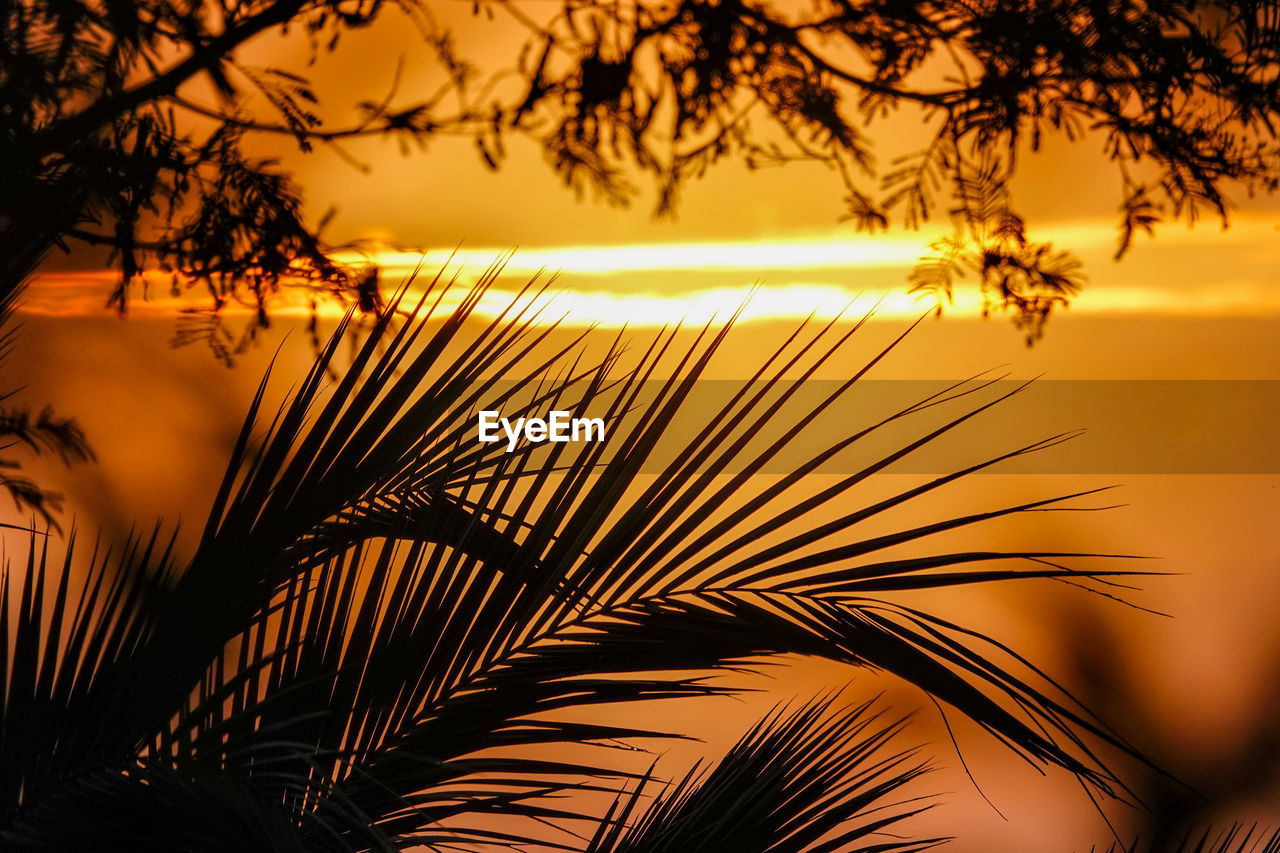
[(824, 273), (774, 229), (1200, 303)]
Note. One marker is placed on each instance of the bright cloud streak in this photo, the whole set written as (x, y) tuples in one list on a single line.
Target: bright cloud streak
[(831, 250), (825, 302), (799, 271)]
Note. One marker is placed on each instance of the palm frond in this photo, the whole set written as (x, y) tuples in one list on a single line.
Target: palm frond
[(555, 591), (152, 809), (387, 625), (68, 634), (800, 780)]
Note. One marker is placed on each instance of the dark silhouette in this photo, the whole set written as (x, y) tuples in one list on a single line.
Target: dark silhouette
[(388, 632), (102, 143), (791, 781)]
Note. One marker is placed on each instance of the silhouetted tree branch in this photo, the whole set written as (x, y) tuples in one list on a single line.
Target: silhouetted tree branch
[(108, 144), (1182, 95)]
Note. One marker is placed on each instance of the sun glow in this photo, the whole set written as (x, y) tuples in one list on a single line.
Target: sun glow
[(834, 249), (823, 275), (775, 302), (745, 257)]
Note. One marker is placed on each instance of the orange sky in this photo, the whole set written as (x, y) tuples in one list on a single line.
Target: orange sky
[(821, 271), (777, 228), (1190, 304)]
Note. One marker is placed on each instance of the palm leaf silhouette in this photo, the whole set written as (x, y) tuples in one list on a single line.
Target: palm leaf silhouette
[(385, 632), (795, 782)]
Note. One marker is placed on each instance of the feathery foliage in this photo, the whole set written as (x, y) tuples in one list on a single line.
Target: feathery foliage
[(124, 125)]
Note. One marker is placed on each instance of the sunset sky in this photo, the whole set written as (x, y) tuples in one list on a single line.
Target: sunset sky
[(1190, 304), (776, 227)]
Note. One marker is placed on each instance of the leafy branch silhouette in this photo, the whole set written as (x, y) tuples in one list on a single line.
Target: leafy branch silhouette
[(110, 142), (388, 632)]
